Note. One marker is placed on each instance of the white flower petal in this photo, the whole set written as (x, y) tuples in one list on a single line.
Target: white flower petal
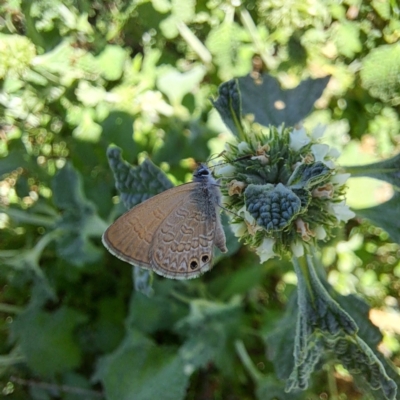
[(265, 250), (226, 170), (298, 139), (243, 147), (238, 229), (334, 153), (246, 215), (318, 131), (320, 233), (297, 248), (341, 211), (320, 151), (340, 179)]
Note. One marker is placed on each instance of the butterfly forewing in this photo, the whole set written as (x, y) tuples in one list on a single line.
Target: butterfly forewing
[(130, 236)]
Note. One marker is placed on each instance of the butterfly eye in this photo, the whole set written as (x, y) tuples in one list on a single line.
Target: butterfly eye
[(203, 172), (205, 259), (194, 264)]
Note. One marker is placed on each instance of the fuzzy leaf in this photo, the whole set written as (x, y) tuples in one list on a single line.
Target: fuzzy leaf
[(320, 310), (176, 84), (270, 388), (141, 370), (229, 107), (380, 72), (210, 329), (47, 341), (384, 216), (387, 170), (280, 341), (136, 184), (79, 220), (360, 360), (309, 175), (273, 106), (155, 313)]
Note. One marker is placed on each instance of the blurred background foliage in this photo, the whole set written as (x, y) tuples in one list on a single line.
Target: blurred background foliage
[(76, 76)]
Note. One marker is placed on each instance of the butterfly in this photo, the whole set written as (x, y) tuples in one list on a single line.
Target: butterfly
[(174, 232)]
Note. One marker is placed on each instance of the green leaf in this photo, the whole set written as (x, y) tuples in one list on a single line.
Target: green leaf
[(387, 170), (273, 106), (384, 216), (47, 341), (141, 370), (309, 175), (176, 84), (380, 73), (142, 279), (111, 62), (240, 282), (267, 386), (118, 129), (270, 388), (17, 157), (136, 184), (347, 38), (228, 105), (158, 312), (211, 329), (359, 311), (79, 220), (320, 310), (280, 341), (360, 360)]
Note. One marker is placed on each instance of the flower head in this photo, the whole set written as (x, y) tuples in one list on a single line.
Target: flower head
[(286, 194)]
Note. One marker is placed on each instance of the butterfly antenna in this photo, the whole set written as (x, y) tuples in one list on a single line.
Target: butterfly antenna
[(229, 211), (246, 157)]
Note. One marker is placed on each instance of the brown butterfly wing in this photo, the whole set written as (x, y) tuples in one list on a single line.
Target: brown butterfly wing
[(131, 235), (182, 247)]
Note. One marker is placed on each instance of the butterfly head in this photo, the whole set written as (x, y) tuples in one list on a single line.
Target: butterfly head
[(202, 173)]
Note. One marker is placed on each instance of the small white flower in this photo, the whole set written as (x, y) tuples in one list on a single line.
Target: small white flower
[(226, 170), (297, 248), (225, 200), (243, 148), (341, 211), (265, 250), (246, 215), (298, 139), (264, 160), (320, 232), (318, 131), (238, 229), (334, 153), (340, 179), (319, 151)]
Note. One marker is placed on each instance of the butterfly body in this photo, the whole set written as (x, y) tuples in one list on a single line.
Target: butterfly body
[(174, 232)]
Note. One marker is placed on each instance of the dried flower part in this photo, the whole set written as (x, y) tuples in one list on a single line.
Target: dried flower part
[(263, 159), (308, 159), (304, 230), (235, 187), (325, 191), (262, 149), (286, 194)]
